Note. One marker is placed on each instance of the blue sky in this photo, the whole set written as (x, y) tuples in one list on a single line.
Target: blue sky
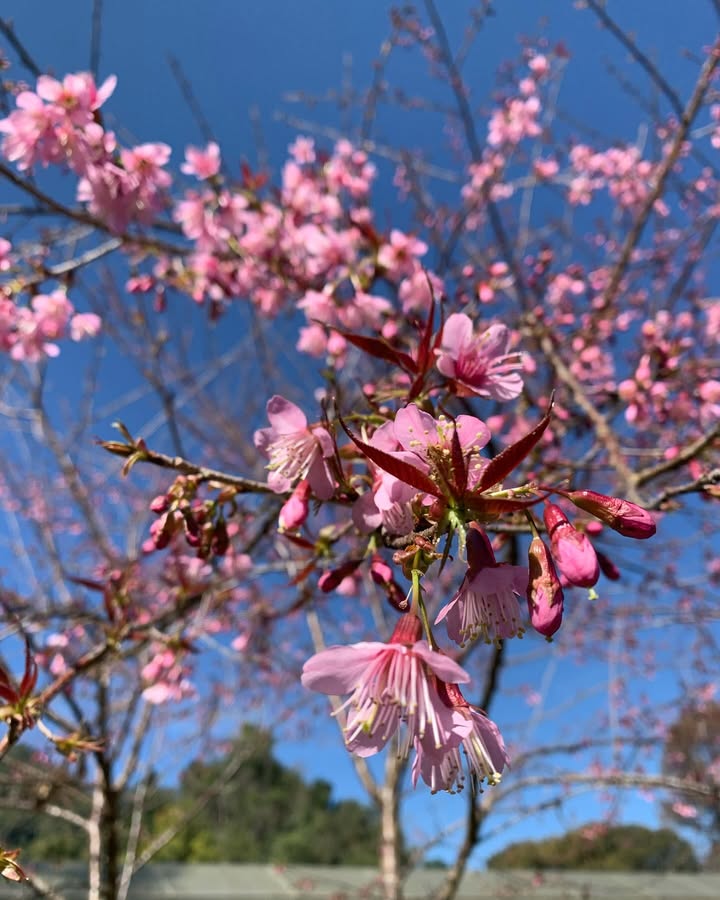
[(243, 56)]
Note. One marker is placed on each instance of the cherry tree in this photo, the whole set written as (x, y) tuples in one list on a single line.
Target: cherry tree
[(425, 464)]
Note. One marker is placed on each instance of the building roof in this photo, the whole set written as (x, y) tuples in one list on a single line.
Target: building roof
[(223, 881)]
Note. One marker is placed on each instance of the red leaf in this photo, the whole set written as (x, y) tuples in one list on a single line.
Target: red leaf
[(27, 685), (380, 349), (404, 471), (487, 506), (503, 464), (459, 466)]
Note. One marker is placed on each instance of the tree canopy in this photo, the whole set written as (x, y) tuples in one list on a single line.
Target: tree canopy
[(613, 848)]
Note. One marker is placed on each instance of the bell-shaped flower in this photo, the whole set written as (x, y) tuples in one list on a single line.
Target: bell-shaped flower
[(571, 549), (390, 684), (486, 603), (295, 451), (479, 363), (482, 745)]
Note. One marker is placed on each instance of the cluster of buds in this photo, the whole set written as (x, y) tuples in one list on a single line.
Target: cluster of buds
[(181, 511), (573, 552)]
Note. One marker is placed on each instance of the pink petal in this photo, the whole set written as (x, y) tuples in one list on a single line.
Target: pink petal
[(284, 416), (445, 668), (338, 670)]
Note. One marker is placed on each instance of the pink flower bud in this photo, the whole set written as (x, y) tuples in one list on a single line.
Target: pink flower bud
[(160, 504), (625, 517), (380, 571), (295, 509), (572, 550), (544, 593)]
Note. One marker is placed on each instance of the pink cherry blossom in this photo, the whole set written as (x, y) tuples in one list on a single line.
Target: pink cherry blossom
[(482, 745), (202, 164), (486, 603), (399, 256), (430, 442), (390, 684), (479, 363), (295, 451)]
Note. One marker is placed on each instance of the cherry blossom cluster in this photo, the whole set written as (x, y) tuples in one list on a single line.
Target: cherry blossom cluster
[(424, 480), (30, 332), (59, 123)]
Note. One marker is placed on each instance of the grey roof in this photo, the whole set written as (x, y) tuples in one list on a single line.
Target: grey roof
[(222, 881)]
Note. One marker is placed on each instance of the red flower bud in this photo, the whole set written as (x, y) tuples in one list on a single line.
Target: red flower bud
[(625, 517), (544, 593)]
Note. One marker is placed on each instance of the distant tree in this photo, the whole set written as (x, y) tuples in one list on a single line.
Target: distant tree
[(265, 812), (692, 752), (616, 848)]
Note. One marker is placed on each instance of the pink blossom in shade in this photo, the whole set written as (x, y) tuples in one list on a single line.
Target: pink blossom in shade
[(295, 451), (486, 603), (479, 363), (390, 684), (571, 549), (202, 164), (482, 746), (388, 503), (544, 592)]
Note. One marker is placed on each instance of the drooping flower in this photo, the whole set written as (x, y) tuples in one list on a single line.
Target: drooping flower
[(295, 451), (482, 745), (479, 362), (486, 603), (390, 684), (571, 549)]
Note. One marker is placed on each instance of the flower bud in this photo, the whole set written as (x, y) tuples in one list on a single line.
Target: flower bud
[(544, 593), (571, 549), (330, 580), (295, 509), (625, 517)]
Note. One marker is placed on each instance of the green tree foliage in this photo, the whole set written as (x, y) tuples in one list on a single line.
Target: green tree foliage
[(243, 806), (264, 812), (616, 848)]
